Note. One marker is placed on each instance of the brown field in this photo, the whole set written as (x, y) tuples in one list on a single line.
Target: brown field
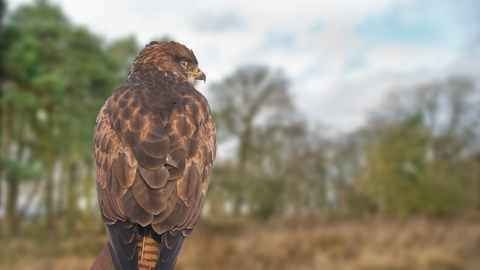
[(379, 243)]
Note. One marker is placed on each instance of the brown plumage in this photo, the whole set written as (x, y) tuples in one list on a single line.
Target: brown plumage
[(155, 145)]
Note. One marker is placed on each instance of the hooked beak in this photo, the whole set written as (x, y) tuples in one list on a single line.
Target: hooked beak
[(200, 75)]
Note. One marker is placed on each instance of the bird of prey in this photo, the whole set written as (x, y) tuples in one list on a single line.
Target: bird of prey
[(155, 144)]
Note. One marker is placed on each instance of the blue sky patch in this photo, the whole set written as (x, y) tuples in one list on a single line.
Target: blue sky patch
[(408, 25), (316, 28), (278, 39)]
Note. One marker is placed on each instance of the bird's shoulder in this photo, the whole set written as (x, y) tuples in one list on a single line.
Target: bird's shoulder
[(157, 94)]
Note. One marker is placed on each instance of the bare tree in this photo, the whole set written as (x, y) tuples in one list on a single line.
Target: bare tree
[(250, 105)]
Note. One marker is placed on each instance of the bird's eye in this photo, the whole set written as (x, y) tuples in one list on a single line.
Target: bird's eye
[(184, 63)]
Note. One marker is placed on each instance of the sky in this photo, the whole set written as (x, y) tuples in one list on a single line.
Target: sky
[(341, 57)]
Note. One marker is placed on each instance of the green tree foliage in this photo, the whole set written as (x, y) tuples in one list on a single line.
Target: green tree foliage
[(400, 175), (395, 165), (55, 79)]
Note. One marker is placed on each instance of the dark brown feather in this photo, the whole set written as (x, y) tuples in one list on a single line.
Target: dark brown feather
[(137, 123), (187, 184), (147, 161), (157, 149), (151, 137), (193, 147), (116, 188), (123, 103), (150, 199), (120, 170), (171, 202), (178, 157), (194, 218), (155, 179), (123, 245), (184, 215), (171, 220), (134, 211), (168, 255)]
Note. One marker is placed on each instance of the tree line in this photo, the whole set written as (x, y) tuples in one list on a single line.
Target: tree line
[(418, 153)]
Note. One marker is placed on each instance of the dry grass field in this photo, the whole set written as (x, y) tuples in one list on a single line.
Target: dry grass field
[(379, 243)]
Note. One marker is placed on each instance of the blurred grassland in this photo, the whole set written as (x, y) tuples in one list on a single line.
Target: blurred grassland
[(380, 243)]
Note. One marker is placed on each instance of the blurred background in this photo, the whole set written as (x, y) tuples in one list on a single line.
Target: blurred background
[(348, 131)]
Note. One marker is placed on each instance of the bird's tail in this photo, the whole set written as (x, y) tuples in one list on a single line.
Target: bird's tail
[(148, 248)]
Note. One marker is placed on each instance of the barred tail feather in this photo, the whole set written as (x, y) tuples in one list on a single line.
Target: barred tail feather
[(148, 248)]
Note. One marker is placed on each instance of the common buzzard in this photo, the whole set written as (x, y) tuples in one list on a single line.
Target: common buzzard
[(155, 144)]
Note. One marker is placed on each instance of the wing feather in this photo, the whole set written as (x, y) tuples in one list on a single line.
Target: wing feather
[(172, 244), (156, 178), (122, 240), (134, 211), (171, 203), (171, 220), (151, 199)]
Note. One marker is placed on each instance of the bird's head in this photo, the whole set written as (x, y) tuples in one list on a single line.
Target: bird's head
[(171, 56)]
